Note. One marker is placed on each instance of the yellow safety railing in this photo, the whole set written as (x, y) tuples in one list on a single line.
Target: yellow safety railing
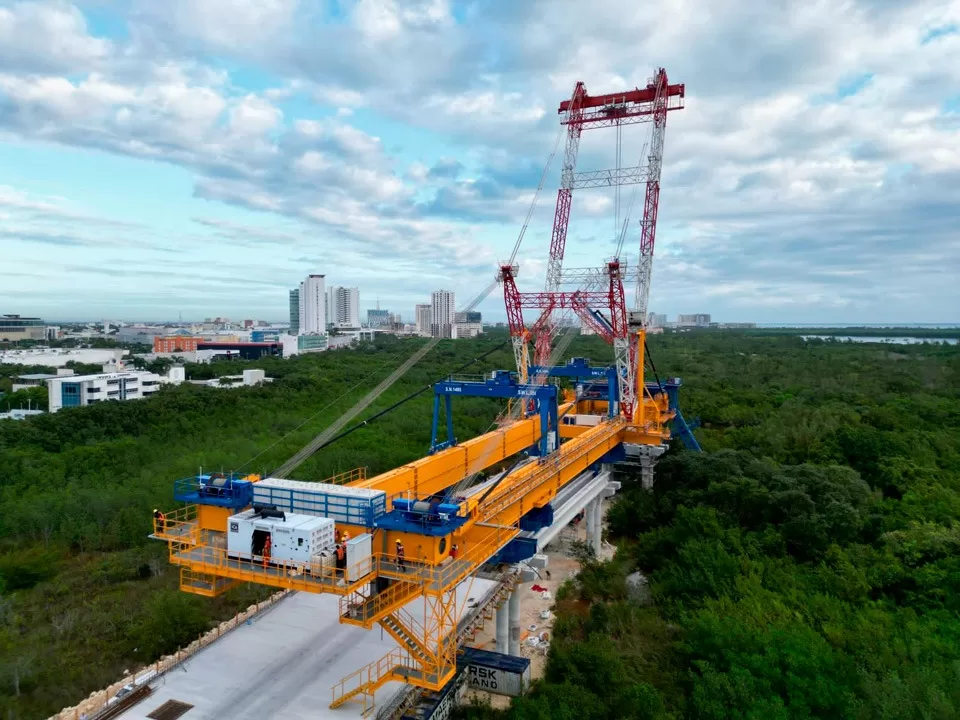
[(350, 476), (314, 576), (400, 623), (568, 453), (367, 679), (178, 525), (360, 609)]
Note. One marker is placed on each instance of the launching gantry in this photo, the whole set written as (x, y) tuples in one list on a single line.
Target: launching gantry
[(218, 538), (280, 532)]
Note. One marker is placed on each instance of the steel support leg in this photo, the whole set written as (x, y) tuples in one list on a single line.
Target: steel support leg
[(503, 631), (513, 606)]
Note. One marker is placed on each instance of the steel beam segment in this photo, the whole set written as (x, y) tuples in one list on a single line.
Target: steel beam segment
[(610, 178)]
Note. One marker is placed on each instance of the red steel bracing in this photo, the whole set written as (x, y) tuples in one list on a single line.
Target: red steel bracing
[(617, 301), (561, 217), (511, 298), (541, 331), (588, 319)]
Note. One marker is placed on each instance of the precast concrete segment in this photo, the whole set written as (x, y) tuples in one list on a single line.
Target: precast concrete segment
[(284, 663), (513, 606), (503, 631), (589, 488)]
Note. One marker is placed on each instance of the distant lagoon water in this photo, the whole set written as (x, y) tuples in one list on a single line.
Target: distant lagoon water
[(885, 339)]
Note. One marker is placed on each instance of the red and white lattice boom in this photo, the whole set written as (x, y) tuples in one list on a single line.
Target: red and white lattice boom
[(619, 326)]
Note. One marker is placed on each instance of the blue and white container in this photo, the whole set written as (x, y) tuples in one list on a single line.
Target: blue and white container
[(340, 503)]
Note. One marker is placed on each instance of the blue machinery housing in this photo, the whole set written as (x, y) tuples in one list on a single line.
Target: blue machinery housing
[(226, 490)]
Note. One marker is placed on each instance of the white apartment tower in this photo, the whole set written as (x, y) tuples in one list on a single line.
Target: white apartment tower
[(313, 310), (442, 312), (343, 307), (423, 319)]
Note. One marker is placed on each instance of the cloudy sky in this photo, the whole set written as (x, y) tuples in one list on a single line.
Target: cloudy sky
[(201, 156)]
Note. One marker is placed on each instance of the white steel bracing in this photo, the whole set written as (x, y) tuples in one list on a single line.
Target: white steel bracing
[(610, 178)]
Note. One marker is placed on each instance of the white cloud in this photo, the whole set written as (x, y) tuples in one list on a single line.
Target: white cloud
[(48, 37), (254, 116)]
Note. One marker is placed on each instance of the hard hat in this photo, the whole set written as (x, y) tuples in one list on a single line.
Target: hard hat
[(398, 542), (155, 510)]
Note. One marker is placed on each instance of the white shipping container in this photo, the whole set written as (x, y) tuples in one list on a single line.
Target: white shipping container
[(590, 420), (294, 538)]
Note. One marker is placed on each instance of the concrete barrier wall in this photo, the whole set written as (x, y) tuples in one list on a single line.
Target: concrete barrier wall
[(98, 701)]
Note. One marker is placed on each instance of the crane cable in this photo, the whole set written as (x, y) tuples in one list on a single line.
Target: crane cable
[(408, 398), (536, 196)]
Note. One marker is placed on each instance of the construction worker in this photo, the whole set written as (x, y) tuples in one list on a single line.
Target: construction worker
[(453, 552), (267, 546), (341, 557), (346, 536), (159, 520), (401, 559), (336, 536)]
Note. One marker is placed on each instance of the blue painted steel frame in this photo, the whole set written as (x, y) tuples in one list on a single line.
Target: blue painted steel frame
[(234, 493), (580, 369), (501, 384), (679, 425)]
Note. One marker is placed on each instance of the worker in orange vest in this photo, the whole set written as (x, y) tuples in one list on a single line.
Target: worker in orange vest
[(341, 557), (401, 558), (159, 520), (266, 550)]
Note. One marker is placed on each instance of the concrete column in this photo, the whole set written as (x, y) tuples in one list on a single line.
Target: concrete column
[(513, 606), (596, 540), (588, 519), (503, 633)]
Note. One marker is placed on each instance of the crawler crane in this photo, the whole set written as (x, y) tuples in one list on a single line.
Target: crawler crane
[(277, 532)]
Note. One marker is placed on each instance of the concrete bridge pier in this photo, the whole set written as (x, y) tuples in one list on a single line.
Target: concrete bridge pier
[(513, 608), (503, 632)]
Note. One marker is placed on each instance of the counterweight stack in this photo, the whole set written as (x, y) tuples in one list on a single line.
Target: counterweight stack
[(600, 289)]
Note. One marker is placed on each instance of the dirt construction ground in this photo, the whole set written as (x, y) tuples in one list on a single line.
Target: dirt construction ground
[(560, 566)]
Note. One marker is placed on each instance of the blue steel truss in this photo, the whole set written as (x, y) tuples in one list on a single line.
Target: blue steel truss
[(500, 384)]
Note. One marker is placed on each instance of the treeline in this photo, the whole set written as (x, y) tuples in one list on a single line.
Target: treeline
[(806, 567)]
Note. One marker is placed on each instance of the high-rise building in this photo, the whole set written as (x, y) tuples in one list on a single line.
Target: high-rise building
[(423, 319), (442, 313), (343, 307), (313, 306), (295, 311), (656, 320)]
